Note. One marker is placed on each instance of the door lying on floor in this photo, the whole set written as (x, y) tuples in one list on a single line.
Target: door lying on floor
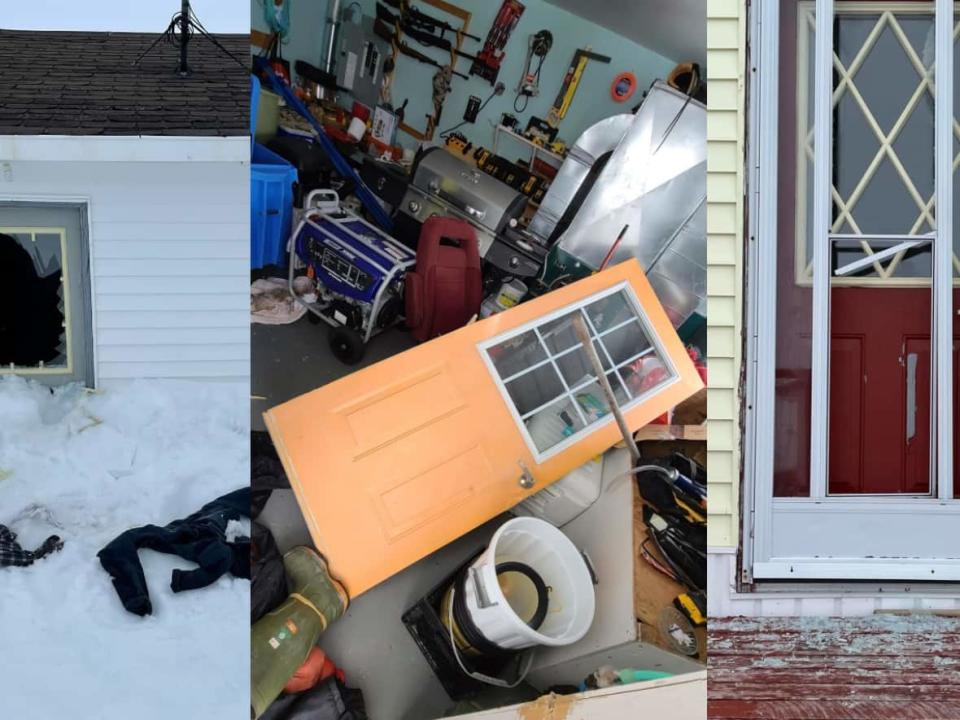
[(854, 303), (45, 319), (398, 459)]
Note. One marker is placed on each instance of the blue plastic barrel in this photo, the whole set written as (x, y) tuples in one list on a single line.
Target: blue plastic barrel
[(271, 198)]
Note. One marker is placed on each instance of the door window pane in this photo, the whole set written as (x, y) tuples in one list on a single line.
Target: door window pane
[(548, 376)]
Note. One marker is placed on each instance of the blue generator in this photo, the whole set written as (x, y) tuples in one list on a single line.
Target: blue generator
[(358, 271)]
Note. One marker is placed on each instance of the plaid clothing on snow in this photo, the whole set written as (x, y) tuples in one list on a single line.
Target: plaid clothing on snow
[(12, 554)]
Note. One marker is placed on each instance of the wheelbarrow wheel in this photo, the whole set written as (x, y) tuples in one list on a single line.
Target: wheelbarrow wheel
[(347, 345)]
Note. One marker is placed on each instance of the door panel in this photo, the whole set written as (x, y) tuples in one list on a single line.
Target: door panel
[(55, 283), (880, 391), (847, 381), (398, 459)]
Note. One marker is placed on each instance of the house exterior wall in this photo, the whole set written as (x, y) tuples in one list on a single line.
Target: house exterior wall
[(726, 123), (169, 247)]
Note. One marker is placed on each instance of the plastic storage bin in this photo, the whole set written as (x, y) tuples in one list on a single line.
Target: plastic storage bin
[(271, 198), (271, 206)]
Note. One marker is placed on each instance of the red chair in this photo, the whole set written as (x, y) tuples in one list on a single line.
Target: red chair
[(446, 287)]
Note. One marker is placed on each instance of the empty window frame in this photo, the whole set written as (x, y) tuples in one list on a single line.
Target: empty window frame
[(34, 328)]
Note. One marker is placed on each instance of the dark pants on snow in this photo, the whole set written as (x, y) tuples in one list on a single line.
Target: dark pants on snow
[(199, 538)]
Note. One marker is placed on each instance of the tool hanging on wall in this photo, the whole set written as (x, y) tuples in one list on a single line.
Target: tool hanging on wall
[(498, 89), (529, 86), (426, 23), (384, 31), (623, 86), (571, 80), (487, 64), (421, 36), (473, 107)]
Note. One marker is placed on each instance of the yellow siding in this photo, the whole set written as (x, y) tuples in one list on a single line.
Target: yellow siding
[(726, 121)]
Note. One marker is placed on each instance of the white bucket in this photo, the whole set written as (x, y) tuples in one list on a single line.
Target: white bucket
[(550, 554)]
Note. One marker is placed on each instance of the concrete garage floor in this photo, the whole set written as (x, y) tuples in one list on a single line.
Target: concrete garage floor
[(289, 360), (370, 642)]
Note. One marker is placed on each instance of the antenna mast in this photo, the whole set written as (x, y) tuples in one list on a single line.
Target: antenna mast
[(182, 26)]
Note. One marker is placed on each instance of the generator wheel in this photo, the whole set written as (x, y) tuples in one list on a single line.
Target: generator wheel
[(347, 345)]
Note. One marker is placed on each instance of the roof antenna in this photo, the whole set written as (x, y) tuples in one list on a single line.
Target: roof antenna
[(182, 26)]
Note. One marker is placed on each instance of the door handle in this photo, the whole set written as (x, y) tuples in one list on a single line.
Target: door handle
[(911, 396), (526, 477)]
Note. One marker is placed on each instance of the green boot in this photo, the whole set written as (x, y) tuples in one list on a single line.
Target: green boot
[(281, 640)]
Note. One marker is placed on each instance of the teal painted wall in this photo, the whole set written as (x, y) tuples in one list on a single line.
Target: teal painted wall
[(307, 22), (413, 80)]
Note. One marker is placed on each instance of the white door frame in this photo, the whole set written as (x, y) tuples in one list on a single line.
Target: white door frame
[(813, 522)]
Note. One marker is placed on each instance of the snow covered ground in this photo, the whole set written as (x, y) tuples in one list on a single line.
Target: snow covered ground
[(146, 452)]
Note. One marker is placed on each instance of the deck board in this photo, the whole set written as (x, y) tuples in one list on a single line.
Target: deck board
[(883, 666)]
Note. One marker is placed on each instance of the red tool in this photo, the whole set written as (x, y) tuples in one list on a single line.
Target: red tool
[(487, 63), (613, 248)]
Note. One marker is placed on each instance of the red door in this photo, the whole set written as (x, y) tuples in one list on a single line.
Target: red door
[(880, 391)]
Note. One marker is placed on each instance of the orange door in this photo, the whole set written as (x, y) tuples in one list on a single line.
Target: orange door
[(398, 459)]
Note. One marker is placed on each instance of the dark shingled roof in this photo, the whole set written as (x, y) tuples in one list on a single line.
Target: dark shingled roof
[(82, 83)]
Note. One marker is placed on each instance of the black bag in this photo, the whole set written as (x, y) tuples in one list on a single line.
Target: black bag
[(266, 471), (329, 700), (268, 579)]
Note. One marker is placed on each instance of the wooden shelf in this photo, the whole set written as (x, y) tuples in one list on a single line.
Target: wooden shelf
[(672, 432), (537, 149)]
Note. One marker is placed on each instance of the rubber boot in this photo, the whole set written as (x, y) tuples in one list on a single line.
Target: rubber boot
[(281, 640)]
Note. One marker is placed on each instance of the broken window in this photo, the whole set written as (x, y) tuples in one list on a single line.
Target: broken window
[(33, 312)]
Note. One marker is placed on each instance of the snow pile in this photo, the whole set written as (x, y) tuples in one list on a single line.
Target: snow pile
[(138, 453)]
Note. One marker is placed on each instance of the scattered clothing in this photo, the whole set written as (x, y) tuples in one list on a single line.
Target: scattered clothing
[(272, 304), (13, 555), (199, 538), (268, 578), (330, 700)]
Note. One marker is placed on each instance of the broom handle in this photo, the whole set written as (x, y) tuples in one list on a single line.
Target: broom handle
[(584, 336)]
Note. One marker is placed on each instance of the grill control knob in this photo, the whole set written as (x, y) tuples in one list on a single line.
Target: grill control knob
[(514, 261), (414, 206)]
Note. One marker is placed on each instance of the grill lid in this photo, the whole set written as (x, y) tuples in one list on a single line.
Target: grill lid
[(485, 200)]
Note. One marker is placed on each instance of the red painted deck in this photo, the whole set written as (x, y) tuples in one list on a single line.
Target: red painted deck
[(884, 666)]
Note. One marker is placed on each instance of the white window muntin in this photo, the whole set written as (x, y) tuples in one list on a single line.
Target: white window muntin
[(641, 317), (874, 246)]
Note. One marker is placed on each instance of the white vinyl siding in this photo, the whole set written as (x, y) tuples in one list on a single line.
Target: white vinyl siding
[(169, 247)]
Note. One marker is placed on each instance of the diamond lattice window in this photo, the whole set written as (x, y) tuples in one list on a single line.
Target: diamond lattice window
[(883, 141)]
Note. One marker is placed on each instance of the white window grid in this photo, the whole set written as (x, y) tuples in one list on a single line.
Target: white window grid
[(655, 348), (42, 368), (885, 261)]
